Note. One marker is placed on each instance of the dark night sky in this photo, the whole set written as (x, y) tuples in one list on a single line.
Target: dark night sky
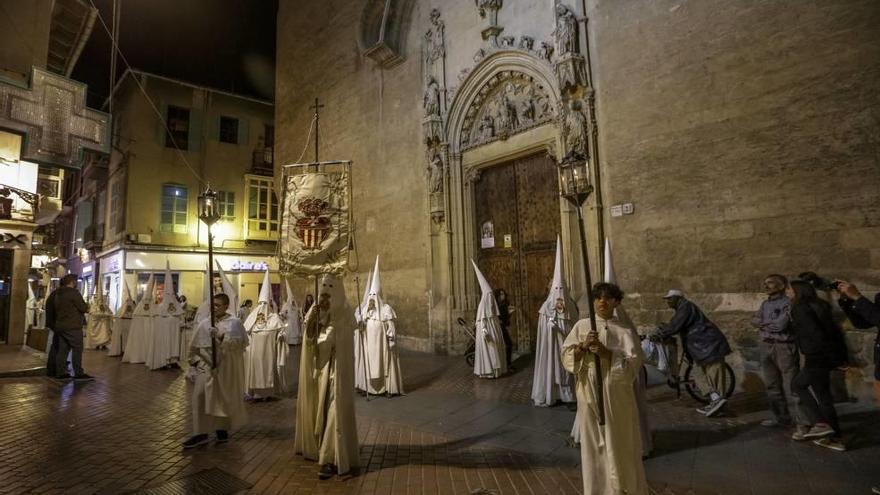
[(225, 44)]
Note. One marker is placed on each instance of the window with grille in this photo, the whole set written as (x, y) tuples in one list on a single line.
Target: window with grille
[(262, 219), (116, 208), (226, 202), (177, 121), (174, 209), (228, 130)]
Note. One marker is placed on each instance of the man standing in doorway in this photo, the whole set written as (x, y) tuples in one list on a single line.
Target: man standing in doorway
[(780, 360), (65, 315)]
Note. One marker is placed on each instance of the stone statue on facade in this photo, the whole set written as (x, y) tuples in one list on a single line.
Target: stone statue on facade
[(431, 101), (546, 51), (435, 174), (487, 127), (434, 41), (574, 129), (566, 32), (488, 6)]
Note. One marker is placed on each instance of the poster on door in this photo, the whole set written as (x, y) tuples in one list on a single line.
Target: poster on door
[(487, 236)]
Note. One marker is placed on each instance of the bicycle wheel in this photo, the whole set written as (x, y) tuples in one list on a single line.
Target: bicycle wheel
[(697, 385)]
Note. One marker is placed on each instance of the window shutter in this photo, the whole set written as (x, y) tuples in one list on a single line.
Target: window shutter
[(243, 128), (160, 125), (196, 124)]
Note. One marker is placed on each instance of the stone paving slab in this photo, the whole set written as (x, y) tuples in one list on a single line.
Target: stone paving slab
[(19, 360), (452, 434)]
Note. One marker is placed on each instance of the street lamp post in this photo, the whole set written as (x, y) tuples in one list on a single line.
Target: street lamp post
[(209, 213), (575, 187)]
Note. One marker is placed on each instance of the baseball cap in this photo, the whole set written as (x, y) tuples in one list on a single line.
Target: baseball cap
[(673, 293)]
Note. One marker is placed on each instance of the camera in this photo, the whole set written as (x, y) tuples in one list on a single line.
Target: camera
[(818, 282)]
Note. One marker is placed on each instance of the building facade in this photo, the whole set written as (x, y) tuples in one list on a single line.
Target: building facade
[(136, 209), (726, 140), (44, 129)]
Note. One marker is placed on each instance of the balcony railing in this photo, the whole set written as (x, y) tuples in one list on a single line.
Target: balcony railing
[(262, 162)]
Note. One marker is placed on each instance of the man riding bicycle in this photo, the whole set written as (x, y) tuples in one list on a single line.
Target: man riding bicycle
[(702, 341)]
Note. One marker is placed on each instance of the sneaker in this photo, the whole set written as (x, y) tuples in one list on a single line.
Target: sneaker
[(830, 443), (799, 433), (703, 410), (714, 407), (875, 490), (819, 430), (195, 441), (222, 436), (83, 378), (327, 471), (63, 377)]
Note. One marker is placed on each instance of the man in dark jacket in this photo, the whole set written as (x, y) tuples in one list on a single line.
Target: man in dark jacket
[(702, 341), (65, 315)]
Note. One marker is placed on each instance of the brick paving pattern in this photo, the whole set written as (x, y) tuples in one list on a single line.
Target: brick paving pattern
[(452, 434)]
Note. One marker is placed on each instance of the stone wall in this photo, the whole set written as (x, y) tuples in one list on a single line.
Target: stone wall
[(746, 134)]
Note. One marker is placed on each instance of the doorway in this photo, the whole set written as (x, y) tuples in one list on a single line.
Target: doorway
[(518, 220)]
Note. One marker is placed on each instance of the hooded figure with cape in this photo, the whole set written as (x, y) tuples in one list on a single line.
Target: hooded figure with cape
[(164, 348), (291, 336), (293, 319), (140, 334), (551, 382), (360, 363), (121, 322), (326, 429), (100, 322), (261, 359), (490, 360), (380, 351)]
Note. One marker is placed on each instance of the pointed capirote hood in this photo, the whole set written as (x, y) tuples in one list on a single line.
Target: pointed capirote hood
[(126, 306), (375, 283), (611, 278), (31, 296), (265, 289), (290, 299), (170, 306), (558, 290), (488, 307), (145, 305), (203, 312), (485, 288), (229, 290)]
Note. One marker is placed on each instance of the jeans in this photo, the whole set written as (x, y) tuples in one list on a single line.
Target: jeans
[(69, 340), (813, 386)]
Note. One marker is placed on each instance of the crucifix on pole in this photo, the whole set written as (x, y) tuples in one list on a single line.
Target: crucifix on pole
[(317, 108)]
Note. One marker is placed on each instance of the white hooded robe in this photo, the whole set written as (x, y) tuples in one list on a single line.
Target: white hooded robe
[(164, 347), (261, 359), (326, 429), (490, 360), (140, 333)]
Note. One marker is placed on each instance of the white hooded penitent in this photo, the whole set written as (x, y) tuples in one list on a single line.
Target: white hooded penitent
[(490, 360)]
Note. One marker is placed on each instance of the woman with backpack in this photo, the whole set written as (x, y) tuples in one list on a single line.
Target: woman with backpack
[(821, 343)]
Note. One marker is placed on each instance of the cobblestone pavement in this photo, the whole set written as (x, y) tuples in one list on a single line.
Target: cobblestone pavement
[(452, 434)]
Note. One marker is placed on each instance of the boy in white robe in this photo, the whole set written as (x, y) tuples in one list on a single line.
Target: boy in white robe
[(326, 429), (611, 454), (551, 382), (218, 391), (490, 360)]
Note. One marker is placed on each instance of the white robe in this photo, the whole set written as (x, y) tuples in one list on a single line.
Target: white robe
[(611, 462), (98, 329), (119, 335), (326, 429), (490, 360), (293, 328), (218, 394), (140, 334), (383, 362), (261, 358), (163, 346), (551, 382)]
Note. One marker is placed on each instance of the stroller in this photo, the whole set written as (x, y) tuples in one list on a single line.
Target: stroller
[(470, 330)]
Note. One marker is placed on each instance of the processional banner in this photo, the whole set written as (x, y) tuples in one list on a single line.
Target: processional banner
[(315, 224)]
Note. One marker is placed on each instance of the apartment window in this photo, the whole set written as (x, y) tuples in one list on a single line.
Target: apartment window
[(116, 217), (226, 201), (262, 220), (228, 130), (174, 206), (178, 128)]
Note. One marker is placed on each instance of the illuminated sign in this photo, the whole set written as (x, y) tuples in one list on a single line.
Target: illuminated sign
[(249, 266)]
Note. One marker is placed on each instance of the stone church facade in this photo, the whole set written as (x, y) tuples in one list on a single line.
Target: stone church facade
[(726, 139)]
